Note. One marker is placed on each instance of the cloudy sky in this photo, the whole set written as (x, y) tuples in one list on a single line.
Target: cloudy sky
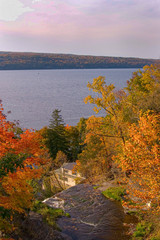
[(128, 28)]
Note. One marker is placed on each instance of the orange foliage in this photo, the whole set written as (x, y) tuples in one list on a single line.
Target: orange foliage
[(95, 159), (6, 239), (141, 159), (68, 127), (16, 193)]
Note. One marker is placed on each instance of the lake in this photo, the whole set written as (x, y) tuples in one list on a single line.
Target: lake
[(32, 95)]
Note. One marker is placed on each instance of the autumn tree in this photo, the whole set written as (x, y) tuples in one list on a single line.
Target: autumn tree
[(143, 91), (126, 130), (21, 158), (103, 134), (140, 157), (121, 108), (95, 161), (111, 101), (60, 159)]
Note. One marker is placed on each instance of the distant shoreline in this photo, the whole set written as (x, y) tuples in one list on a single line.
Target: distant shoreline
[(48, 61), (35, 69)]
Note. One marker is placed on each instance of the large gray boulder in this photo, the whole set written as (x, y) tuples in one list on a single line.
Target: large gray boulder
[(92, 216)]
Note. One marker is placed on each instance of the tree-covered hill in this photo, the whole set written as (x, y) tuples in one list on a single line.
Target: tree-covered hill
[(23, 60)]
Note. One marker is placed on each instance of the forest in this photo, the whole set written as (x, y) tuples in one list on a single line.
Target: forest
[(22, 60), (123, 146)]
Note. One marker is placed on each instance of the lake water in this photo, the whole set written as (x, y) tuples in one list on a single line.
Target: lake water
[(32, 95)]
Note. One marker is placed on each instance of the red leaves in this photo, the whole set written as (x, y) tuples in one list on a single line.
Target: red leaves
[(16, 193)]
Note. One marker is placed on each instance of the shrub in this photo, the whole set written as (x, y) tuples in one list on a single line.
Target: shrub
[(49, 214), (115, 193), (142, 229)]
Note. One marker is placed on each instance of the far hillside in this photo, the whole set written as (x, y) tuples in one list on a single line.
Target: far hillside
[(21, 61)]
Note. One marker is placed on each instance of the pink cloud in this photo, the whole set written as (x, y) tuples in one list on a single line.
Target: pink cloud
[(71, 24)]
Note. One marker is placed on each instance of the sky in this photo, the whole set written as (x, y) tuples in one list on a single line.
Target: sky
[(125, 28)]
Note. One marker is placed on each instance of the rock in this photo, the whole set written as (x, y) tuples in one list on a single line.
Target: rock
[(33, 228), (54, 202), (93, 217)]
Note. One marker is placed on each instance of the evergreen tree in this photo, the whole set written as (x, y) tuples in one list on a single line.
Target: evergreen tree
[(67, 139), (55, 135), (56, 119)]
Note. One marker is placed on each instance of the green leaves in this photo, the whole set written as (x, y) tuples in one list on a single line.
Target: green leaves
[(10, 162)]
